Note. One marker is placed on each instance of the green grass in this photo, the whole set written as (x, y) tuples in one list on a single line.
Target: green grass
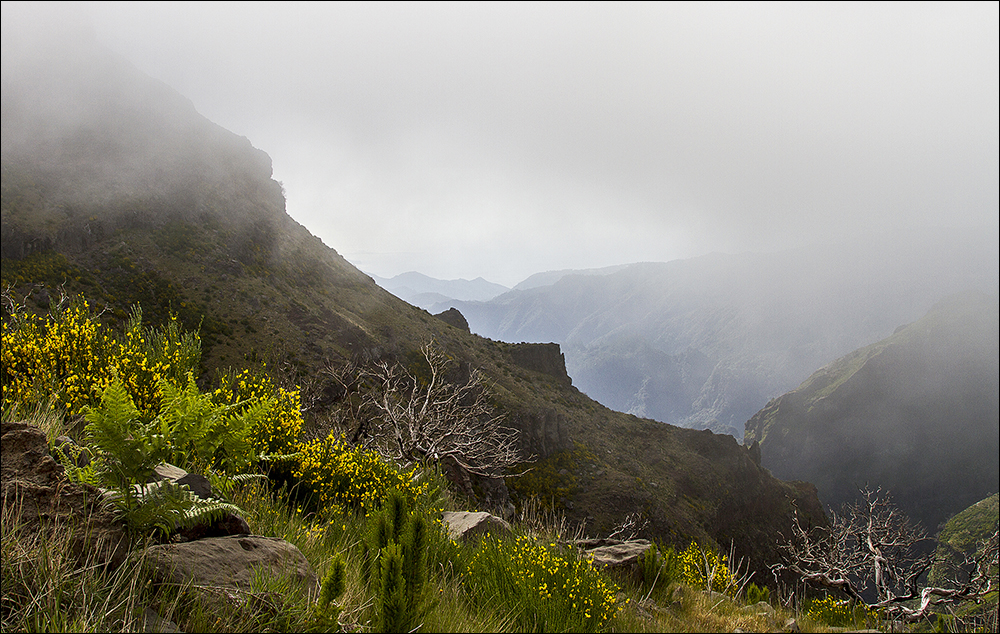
[(45, 590)]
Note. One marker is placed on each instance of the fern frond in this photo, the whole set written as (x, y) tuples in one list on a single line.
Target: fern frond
[(168, 506), (68, 454), (129, 446), (279, 457), (224, 483)]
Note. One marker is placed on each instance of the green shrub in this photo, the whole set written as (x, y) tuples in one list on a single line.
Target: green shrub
[(704, 567), (840, 613), (348, 479), (395, 563), (550, 590), (659, 566), (332, 588), (755, 594)]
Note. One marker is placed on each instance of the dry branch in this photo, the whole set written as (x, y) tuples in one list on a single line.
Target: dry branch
[(439, 421), (872, 549)]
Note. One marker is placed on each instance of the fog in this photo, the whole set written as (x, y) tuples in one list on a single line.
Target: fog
[(500, 140)]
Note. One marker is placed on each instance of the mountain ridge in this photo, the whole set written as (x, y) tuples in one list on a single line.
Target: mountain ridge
[(916, 413), (762, 322)]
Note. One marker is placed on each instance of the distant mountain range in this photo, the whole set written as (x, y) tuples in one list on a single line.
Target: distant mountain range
[(427, 292), (706, 342), (917, 413)]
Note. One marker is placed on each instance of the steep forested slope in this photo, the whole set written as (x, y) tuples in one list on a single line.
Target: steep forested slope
[(915, 413), (115, 187)]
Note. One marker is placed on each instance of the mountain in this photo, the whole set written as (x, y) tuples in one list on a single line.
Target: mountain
[(115, 187), (706, 342), (426, 292), (916, 413), (548, 278)]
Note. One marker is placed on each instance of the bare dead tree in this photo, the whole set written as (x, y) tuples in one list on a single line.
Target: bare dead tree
[(438, 421), (873, 550)]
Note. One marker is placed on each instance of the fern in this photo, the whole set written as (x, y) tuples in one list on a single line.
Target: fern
[(224, 484), (68, 454), (131, 449), (186, 417), (166, 507), (205, 432)]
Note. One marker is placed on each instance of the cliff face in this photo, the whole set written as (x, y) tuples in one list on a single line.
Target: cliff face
[(545, 358), (128, 196), (916, 413)]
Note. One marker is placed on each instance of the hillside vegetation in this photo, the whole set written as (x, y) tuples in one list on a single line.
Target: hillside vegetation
[(68, 565)]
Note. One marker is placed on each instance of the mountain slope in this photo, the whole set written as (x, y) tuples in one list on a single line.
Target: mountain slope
[(706, 342), (916, 413), (115, 187), (962, 538)]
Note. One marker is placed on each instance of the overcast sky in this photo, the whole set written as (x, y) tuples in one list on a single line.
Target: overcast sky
[(499, 140)]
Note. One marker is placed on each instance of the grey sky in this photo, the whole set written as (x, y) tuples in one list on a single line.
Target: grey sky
[(499, 140)]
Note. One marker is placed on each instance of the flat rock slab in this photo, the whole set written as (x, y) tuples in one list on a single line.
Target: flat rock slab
[(231, 561), (618, 555), (464, 525)]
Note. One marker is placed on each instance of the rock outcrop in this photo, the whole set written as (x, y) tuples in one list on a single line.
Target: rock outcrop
[(613, 553), (231, 562), (35, 485), (455, 318), (464, 525), (546, 358)]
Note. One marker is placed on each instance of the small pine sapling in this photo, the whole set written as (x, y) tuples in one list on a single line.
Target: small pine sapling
[(396, 562), (326, 611), (756, 594)]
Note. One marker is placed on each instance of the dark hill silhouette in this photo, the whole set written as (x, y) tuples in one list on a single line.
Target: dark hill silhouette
[(916, 413)]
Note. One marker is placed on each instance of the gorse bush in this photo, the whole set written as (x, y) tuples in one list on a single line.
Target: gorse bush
[(704, 567), (69, 358), (146, 359), (840, 613), (344, 478), (551, 589), (277, 432), (63, 357)]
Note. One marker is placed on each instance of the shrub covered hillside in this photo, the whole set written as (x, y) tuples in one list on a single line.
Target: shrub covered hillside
[(369, 527), (137, 200)]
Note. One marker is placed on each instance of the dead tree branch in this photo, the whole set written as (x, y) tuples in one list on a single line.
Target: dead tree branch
[(872, 549), (439, 421)]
